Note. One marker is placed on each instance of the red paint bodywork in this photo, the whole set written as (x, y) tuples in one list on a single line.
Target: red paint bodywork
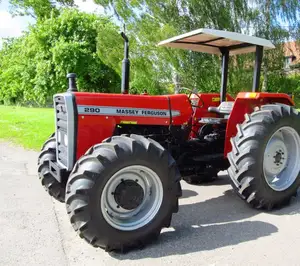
[(202, 111), (93, 129), (244, 104)]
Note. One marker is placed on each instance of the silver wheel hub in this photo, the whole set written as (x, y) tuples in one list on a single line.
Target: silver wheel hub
[(276, 156), (131, 198), (280, 164)]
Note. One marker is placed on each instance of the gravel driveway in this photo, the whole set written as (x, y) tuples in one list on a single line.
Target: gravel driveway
[(213, 227)]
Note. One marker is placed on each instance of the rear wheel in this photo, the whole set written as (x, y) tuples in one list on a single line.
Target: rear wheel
[(123, 192), (265, 157), (51, 185)]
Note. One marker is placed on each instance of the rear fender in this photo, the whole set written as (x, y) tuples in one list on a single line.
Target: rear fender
[(245, 103)]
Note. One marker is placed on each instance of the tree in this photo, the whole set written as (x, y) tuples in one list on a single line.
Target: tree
[(34, 67), (39, 9), (277, 21), (149, 22)]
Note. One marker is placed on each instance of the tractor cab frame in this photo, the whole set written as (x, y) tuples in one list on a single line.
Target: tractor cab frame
[(225, 44)]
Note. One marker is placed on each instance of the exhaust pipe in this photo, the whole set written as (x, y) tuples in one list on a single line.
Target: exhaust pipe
[(125, 66)]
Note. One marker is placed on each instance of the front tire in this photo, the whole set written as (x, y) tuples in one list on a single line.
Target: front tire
[(51, 185), (265, 157), (123, 192)]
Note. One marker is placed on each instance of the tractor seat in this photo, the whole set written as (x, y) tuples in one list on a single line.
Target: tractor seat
[(224, 108)]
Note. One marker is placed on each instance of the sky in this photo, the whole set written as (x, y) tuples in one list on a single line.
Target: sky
[(13, 26)]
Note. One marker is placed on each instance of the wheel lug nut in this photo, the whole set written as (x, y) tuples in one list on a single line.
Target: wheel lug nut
[(136, 180), (118, 206)]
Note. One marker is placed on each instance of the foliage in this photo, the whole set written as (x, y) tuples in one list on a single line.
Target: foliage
[(295, 66), (34, 67), (29, 127), (39, 9), (147, 69), (278, 21), (149, 22), (280, 82), (275, 19)]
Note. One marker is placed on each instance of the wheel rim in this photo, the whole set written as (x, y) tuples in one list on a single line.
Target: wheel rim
[(280, 164), (131, 198)]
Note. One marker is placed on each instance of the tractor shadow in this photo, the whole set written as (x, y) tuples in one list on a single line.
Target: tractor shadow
[(204, 226), (209, 225), (292, 209), (223, 179), (186, 193)]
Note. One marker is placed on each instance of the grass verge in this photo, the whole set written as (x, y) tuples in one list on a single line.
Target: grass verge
[(29, 127)]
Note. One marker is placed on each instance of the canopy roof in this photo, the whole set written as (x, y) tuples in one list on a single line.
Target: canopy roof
[(213, 41)]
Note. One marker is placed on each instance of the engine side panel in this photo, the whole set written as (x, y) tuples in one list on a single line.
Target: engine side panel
[(99, 114), (245, 103)]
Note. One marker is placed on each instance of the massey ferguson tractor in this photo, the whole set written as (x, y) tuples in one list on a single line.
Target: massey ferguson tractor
[(117, 160)]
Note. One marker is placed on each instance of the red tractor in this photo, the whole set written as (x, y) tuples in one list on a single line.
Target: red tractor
[(117, 159)]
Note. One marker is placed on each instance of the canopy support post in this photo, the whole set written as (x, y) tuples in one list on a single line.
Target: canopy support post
[(257, 68), (224, 78)]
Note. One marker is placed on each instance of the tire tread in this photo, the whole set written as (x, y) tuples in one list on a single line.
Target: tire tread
[(114, 148), (51, 185), (242, 159)]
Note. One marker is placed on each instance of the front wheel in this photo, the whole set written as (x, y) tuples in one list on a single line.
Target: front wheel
[(265, 157), (123, 192), (51, 185)]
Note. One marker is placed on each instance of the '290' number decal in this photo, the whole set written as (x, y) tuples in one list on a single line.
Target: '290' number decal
[(91, 110)]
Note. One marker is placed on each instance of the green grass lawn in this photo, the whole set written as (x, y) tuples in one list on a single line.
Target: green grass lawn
[(29, 127)]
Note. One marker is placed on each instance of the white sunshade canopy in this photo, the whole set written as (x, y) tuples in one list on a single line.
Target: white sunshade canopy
[(213, 41)]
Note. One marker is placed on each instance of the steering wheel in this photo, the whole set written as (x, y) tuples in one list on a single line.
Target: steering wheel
[(189, 96)]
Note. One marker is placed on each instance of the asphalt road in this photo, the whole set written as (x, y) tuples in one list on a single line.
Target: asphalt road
[(213, 227)]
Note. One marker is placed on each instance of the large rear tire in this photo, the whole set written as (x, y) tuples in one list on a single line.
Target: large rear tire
[(51, 185), (265, 156), (122, 192)]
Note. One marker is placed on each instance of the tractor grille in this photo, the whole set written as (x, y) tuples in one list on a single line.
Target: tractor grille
[(64, 111), (61, 130)]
